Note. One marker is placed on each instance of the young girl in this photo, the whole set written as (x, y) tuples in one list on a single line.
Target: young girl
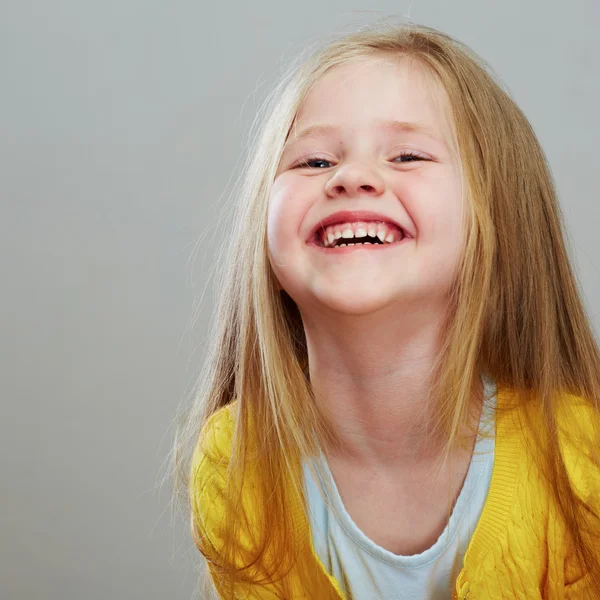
[(402, 396)]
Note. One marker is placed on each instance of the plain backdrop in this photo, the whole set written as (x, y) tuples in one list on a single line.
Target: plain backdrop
[(122, 126)]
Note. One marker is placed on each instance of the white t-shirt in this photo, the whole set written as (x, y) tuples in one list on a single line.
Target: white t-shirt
[(366, 571)]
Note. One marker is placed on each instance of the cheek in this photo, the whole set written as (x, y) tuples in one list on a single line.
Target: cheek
[(278, 222), (438, 212), (287, 207)]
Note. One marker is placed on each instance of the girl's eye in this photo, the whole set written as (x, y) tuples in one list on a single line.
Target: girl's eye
[(312, 163), (409, 156), (321, 163)]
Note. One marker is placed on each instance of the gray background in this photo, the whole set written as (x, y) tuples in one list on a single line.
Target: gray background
[(122, 123)]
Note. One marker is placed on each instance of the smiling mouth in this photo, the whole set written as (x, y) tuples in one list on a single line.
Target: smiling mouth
[(356, 244), (343, 242), (361, 234)]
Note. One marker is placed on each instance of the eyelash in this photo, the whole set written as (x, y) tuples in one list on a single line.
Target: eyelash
[(304, 163)]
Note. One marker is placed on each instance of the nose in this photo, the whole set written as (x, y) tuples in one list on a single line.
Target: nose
[(355, 179)]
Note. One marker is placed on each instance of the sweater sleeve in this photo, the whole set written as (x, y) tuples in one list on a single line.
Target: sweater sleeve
[(585, 479), (207, 483), (580, 590), (208, 504)]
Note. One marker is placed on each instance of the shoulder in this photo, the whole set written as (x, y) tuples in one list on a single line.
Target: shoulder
[(533, 515), (578, 423), (214, 440), (528, 439), (208, 474), (213, 446)]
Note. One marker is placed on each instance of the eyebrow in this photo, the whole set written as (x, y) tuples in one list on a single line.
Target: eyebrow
[(391, 126)]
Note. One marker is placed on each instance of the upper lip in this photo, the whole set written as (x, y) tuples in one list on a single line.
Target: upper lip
[(353, 216)]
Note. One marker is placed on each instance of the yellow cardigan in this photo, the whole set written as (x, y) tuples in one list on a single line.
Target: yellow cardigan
[(519, 549)]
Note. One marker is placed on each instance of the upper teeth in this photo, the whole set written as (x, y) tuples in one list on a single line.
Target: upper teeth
[(386, 232)]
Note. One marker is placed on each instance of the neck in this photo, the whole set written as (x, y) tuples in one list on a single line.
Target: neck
[(372, 384)]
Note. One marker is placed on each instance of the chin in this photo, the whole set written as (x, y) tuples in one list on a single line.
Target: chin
[(357, 305)]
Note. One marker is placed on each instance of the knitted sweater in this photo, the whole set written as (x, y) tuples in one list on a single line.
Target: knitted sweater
[(520, 548)]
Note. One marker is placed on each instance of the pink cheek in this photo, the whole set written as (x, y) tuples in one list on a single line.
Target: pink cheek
[(282, 225), (290, 208), (291, 200)]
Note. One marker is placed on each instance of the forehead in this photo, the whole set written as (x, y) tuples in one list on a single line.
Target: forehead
[(363, 91)]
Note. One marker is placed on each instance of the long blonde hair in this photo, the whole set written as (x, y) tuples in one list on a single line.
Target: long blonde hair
[(515, 312)]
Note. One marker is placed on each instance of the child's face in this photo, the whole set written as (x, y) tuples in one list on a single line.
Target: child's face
[(357, 166)]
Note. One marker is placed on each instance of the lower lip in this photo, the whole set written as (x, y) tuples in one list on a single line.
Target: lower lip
[(359, 247)]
